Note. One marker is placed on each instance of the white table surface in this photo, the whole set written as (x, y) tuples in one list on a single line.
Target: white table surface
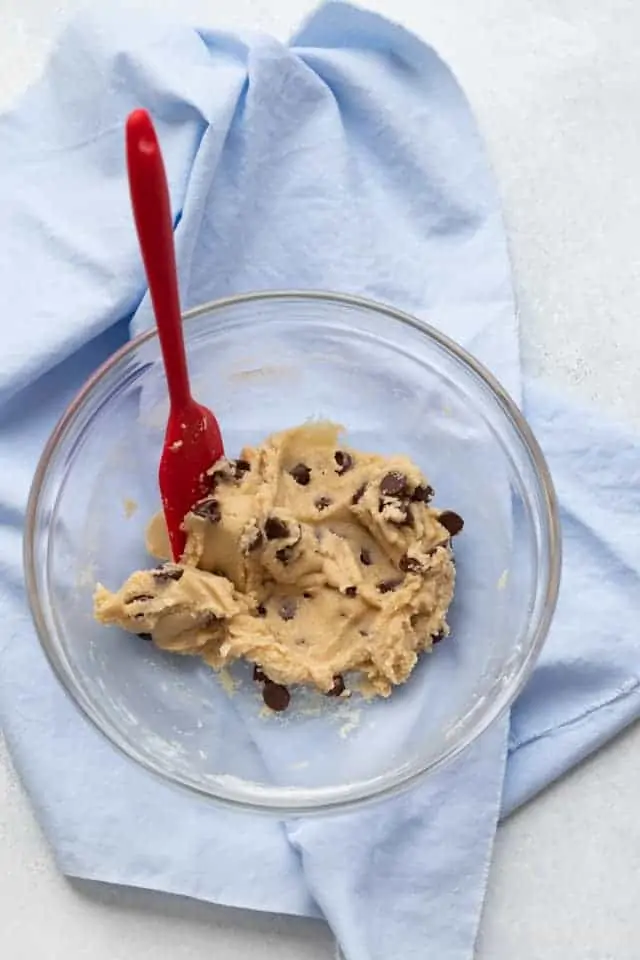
[(556, 88)]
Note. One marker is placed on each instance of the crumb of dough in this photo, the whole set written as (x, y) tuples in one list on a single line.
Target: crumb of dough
[(130, 507)]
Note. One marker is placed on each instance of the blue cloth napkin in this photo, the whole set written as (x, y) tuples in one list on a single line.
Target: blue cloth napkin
[(347, 160)]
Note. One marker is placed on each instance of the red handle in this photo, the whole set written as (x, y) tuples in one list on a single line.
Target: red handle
[(152, 213)]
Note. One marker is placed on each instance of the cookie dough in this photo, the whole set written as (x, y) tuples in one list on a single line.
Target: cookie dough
[(309, 559)]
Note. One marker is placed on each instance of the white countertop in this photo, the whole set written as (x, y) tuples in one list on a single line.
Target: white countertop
[(556, 88)]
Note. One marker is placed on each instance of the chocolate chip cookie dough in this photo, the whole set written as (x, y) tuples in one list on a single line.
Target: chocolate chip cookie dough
[(319, 564)]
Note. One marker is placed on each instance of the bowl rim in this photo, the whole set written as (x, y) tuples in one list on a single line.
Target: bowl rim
[(294, 801)]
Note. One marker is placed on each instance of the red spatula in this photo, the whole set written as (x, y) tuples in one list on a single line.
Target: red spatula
[(192, 440)]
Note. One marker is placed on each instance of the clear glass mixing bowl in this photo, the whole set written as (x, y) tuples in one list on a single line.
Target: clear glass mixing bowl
[(264, 362)]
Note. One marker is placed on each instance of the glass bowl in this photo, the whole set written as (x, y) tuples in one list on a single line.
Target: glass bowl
[(264, 362)]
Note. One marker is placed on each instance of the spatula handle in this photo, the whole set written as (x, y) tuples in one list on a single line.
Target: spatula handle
[(152, 214)]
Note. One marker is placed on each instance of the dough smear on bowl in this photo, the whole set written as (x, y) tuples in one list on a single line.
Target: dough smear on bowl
[(309, 559)]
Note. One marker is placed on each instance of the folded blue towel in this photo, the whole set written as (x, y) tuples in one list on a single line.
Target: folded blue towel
[(348, 160)]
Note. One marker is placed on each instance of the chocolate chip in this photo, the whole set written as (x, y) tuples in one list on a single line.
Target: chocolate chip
[(258, 674), (275, 696), (146, 636), (288, 608), (322, 503), (240, 467), (410, 565), (386, 586), (164, 574), (351, 591), (284, 554), (307, 596), (344, 461), (393, 484), (437, 637), (338, 686), (451, 521), (208, 509), (365, 557), (275, 529), (261, 610), (301, 473), (358, 495), (254, 542), (422, 494), (139, 597)]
